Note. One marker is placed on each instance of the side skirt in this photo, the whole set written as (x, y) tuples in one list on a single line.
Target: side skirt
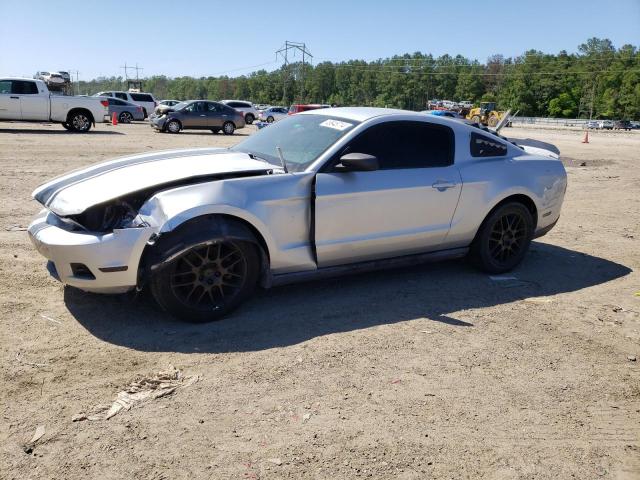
[(369, 266)]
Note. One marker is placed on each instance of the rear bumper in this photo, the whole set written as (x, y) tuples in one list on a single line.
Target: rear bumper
[(112, 259)]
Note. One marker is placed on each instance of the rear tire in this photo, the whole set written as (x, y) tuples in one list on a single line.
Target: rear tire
[(249, 118), (228, 128), (493, 121), (476, 119), (503, 238), (79, 122), (207, 281), (269, 119)]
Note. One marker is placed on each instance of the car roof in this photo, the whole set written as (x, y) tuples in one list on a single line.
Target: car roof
[(20, 78), (359, 114)]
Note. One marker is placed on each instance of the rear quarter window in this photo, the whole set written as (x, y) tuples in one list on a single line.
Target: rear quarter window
[(142, 97), (485, 146)]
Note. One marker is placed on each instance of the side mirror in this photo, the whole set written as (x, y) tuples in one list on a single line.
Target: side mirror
[(357, 162)]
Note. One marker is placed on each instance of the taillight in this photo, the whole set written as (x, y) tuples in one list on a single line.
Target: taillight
[(105, 103)]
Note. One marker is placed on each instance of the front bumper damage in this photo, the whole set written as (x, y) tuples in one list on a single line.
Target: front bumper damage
[(93, 262)]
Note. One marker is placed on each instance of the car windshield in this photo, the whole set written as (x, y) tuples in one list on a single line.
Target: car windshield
[(302, 139)]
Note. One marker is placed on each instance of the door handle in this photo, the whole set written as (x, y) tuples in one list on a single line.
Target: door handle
[(15, 98), (203, 115), (443, 185)]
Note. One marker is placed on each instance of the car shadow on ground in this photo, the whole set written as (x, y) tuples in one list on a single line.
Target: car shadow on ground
[(62, 131), (292, 314)]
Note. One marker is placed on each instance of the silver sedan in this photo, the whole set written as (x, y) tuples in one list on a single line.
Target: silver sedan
[(323, 193), (125, 112)]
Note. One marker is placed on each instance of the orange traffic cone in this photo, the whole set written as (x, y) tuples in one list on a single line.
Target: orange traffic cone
[(586, 137), (114, 119)]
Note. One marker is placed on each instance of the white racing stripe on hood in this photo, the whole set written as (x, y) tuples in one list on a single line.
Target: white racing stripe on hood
[(73, 194)]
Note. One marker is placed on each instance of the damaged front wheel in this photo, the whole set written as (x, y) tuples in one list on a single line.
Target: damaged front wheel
[(207, 281)]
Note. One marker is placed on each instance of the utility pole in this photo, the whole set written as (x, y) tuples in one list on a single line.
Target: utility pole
[(593, 92), (137, 82), (77, 73), (294, 47)]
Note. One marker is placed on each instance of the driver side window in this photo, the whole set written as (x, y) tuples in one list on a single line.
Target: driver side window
[(406, 144)]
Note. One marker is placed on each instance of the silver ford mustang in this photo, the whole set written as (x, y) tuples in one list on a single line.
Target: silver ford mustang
[(318, 194)]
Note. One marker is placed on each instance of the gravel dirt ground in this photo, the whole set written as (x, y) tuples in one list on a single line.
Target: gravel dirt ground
[(429, 372)]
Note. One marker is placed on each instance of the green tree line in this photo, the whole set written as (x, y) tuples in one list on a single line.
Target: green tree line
[(599, 80)]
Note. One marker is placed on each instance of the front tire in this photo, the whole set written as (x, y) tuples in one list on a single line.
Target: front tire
[(207, 281), (173, 126), (269, 119), (125, 117), (228, 128), (503, 239)]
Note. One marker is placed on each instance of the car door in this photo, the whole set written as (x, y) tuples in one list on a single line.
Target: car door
[(33, 104), (9, 102), (214, 112), (194, 116), (115, 106), (404, 207)]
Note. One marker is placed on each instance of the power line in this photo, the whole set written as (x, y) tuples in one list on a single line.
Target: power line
[(283, 52)]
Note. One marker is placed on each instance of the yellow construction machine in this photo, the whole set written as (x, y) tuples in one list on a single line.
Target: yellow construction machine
[(486, 114)]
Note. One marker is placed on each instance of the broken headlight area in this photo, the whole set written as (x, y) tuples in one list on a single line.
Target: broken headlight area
[(109, 217)]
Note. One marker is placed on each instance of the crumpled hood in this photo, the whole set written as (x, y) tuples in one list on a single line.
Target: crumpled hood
[(75, 192)]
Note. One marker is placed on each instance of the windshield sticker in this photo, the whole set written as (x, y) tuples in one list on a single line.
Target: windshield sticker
[(336, 124)]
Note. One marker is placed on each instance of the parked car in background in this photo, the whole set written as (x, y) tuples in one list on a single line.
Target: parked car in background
[(299, 107), (261, 106), (443, 113), (606, 124), (145, 100), (198, 115), (466, 104), (320, 194), (593, 124), (125, 112), (168, 103), (65, 76), (247, 108), (30, 100), (273, 114), (623, 125)]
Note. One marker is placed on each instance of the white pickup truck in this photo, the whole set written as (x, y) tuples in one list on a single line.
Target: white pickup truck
[(29, 100)]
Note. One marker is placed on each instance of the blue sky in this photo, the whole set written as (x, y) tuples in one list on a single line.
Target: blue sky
[(202, 38)]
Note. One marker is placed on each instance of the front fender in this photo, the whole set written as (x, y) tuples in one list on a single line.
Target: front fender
[(202, 230), (276, 207)]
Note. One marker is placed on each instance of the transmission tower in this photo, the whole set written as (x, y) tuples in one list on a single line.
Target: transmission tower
[(295, 48), (137, 83)]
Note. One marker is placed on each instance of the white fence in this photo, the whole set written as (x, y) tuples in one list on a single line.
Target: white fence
[(557, 122)]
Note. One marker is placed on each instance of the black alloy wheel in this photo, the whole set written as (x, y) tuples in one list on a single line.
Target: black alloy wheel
[(207, 281), (503, 239)]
